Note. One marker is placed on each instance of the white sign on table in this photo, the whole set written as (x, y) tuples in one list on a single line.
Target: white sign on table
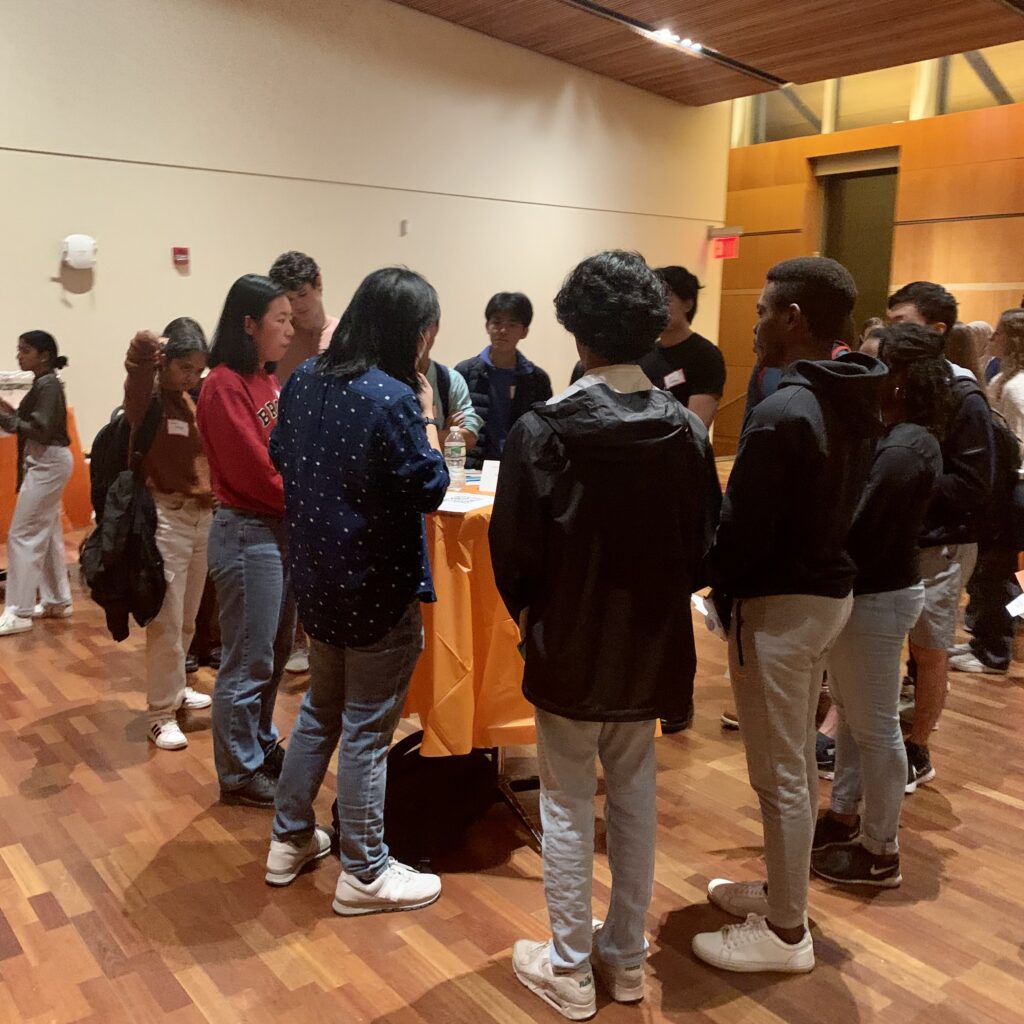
[(489, 476), (462, 502)]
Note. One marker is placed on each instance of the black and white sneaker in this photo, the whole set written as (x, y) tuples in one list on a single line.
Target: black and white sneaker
[(919, 767), (851, 864), (830, 831)]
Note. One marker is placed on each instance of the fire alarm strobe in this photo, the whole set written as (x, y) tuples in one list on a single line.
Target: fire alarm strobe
[(179, 254)]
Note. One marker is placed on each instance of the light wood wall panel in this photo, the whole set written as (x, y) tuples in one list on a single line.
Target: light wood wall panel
[(960, 174), (959, 251), (961, 190), (771, 208)]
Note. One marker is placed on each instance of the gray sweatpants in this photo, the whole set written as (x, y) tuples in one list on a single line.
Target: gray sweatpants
[(777, 649)]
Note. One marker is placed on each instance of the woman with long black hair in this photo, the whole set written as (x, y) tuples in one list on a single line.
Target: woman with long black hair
[(236, 412), (361, 462)]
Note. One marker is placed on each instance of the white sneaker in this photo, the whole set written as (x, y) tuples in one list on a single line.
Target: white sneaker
[(623, 984), (167, 735), (960, 649), (11, 623), (571, 993), (397, 887), (298, 661), (194, 700), (52, 611), (286, 860), (739, 898), (753, 946), (967, 662)]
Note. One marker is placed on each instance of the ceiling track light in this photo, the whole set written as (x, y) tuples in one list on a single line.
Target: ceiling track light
[(666, 37)]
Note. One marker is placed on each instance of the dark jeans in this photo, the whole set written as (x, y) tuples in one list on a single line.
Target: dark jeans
[(993, 586)]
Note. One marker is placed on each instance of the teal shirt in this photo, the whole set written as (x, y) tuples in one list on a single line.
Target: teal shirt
[(458, 399)]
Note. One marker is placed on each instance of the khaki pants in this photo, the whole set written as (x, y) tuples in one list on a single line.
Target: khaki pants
[(182, 532), (777, 649)]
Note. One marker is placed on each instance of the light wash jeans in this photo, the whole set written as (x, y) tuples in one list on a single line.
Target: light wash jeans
[(356, 695), (777, 651), (35, 540), (182, 533), (248, 565), (566, 751), (864, 674)]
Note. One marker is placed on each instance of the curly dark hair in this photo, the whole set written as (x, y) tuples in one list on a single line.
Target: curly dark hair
[(614, 304), (823, 289), (932, 301), (291, 270), (915, 353)]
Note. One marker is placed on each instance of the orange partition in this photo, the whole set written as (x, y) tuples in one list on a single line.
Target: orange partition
[(77, 503)]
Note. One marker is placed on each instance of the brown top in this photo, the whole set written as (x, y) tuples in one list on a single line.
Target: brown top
[(176, 462)]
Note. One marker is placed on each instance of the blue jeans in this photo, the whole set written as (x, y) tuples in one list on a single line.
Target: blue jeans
[(355, 695), (864, 679), (247, 558), (566, 754)]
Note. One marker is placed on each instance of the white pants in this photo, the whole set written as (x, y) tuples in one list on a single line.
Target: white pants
[(35, 541), (566, 752), (182, 532)]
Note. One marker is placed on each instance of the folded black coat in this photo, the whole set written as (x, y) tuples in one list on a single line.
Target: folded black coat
[(121, 561)]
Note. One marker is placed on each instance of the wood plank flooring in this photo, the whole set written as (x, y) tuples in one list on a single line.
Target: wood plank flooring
[(128, 894)]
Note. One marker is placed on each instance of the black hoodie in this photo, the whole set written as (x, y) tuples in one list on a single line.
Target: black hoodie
[(605, 509), (803, 461)]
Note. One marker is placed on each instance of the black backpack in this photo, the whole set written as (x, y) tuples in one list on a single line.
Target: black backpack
[(110, 455), (431, 801)]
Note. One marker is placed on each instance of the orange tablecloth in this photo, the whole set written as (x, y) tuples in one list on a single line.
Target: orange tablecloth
[(467, 687), (77, 504)]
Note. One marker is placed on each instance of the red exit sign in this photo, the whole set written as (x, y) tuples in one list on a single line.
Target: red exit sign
[(726, 248)]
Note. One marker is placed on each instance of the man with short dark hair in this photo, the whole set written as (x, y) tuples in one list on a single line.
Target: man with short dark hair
[(949, 543), (586, 481), (779, 555), (299, 275), (502, 382), (683, 361)]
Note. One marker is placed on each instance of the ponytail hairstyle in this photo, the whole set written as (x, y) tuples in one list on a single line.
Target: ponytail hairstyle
[(184, 336), (45, 344)]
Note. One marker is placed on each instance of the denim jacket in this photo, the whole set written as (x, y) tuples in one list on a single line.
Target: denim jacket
[(358, 477)]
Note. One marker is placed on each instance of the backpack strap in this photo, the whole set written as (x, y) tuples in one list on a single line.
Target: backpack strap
[(444, 389), (146, 434)]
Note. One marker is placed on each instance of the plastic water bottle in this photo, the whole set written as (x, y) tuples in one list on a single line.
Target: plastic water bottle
[(455, 458)]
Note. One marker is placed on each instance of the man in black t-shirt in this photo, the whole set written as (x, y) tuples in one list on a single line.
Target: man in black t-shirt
[(683, 361)]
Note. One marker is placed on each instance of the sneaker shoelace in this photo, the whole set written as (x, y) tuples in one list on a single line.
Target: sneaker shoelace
[(752, 890), (754, 929)]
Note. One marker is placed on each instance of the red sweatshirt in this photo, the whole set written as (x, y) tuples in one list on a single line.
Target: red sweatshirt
[(236, 415)]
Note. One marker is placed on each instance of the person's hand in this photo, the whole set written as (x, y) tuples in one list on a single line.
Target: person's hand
[(456, 419), (426, 396)]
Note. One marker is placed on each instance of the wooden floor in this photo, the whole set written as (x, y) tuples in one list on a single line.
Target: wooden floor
[(127, 893)]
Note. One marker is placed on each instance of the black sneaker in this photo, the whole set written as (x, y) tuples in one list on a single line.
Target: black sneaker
[(825, 750), (851, 864), (257, 792), (671, 725), (830, 831), (274, 762), (919, 766), (191, 664)]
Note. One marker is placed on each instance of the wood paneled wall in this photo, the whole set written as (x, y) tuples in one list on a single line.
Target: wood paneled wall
[(959, 220)]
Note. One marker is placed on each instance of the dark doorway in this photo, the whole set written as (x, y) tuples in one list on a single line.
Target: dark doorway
[(859, 213)]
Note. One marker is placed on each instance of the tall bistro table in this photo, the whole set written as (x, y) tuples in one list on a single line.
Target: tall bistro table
[(467, 687)]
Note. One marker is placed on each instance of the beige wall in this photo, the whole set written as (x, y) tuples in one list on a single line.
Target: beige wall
[(241, 129)]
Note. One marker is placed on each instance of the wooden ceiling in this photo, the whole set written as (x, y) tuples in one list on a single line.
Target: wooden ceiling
[(789, 40)]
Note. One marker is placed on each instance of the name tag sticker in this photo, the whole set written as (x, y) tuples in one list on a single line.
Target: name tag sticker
[(177, 428), (673, 380)]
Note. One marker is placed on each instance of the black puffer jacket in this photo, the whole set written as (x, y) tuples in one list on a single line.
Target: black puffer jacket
[(532, 385), (120, 559)]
